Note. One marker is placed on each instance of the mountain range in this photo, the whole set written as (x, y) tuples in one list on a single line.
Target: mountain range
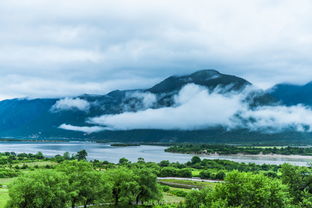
[(46, 118)]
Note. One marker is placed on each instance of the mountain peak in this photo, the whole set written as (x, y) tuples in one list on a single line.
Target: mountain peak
[(206, 72), (209, 78)]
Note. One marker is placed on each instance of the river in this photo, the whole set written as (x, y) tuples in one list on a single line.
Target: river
[(150, 153)]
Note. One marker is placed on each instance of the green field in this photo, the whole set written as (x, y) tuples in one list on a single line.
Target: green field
[(4, 197), (197, 184)]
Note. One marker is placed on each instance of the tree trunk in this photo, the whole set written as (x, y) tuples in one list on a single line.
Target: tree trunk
[(116, 199), (73, 204), (137, 199)]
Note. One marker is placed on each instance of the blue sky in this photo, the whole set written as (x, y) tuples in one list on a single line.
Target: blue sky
[(62, 48)]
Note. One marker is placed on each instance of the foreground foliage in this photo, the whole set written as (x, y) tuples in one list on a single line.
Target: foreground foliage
[(75, 183), (72, 181)]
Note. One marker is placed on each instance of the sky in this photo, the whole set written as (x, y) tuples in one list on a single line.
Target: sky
[(55, 48)]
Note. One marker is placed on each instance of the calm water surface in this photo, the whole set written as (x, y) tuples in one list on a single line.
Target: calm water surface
[(102, 151)]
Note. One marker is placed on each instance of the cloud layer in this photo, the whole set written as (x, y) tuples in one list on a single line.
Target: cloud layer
[(70, 104), (196, 108), (85, 129), (64, 48)]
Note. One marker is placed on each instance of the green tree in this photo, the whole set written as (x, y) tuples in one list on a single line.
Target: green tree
[(86, 185), (39, 155), (40, 189), (148, 188), (252, 191), (299, 181), (82, 155), (124, 161), (124, 185), (195, 160), (66, 156), (243, 190)]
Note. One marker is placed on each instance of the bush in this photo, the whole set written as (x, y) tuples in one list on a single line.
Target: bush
[(165, 188), (24, 166), (271, 174), (220, 175), (8, 173), (179, 193), (175, 172), (168, 172), (185, 173), (205, 174)]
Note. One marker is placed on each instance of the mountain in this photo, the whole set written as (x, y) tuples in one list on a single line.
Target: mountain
[(41, 118), (289, 94), (207, 78)]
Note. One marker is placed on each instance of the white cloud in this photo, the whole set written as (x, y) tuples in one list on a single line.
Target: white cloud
[(196, 108), (277, 118), (138, 100), (71, 104), (85, 129)]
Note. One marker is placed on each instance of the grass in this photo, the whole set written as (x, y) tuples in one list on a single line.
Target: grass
[(195, 173), (4, 192), (182, 189), (6, 181), (171, 199), (38, 163), (198, 184), (4, 197)]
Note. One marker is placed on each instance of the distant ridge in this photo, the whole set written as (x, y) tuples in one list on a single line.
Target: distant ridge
[(34, 119), (290, 94)]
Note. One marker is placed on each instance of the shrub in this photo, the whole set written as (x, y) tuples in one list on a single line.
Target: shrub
[(205, 174)]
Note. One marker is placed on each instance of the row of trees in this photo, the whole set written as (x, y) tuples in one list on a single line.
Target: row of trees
[(75, 183), (233, 149)]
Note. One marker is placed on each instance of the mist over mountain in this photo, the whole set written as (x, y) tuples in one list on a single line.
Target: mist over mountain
[(205, 106)]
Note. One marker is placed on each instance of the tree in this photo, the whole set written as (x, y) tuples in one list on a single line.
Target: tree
[(195, 160), (242, 190), (124, 161), (82, 155), (141, 160), (39, 155), (148, 188), (184, 172), (168, 172), (299, 181), (66, 156), (252, 190), (164, 163), (86, 185), (43, 188), (124, 185)]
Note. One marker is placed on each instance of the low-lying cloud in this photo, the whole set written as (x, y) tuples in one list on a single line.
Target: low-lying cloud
[(277, 118), (66, 104), (85, 129), (139, 100), (196, 108)]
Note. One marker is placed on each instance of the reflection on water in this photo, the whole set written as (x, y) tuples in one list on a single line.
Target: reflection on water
[(149, 153)]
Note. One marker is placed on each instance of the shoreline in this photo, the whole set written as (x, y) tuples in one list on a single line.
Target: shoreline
[(275, 156)]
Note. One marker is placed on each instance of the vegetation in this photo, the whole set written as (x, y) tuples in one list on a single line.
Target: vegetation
[(33, 180), (242, 190), (234, 149)]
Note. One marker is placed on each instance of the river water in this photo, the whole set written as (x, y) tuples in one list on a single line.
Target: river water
[(103, 151)]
